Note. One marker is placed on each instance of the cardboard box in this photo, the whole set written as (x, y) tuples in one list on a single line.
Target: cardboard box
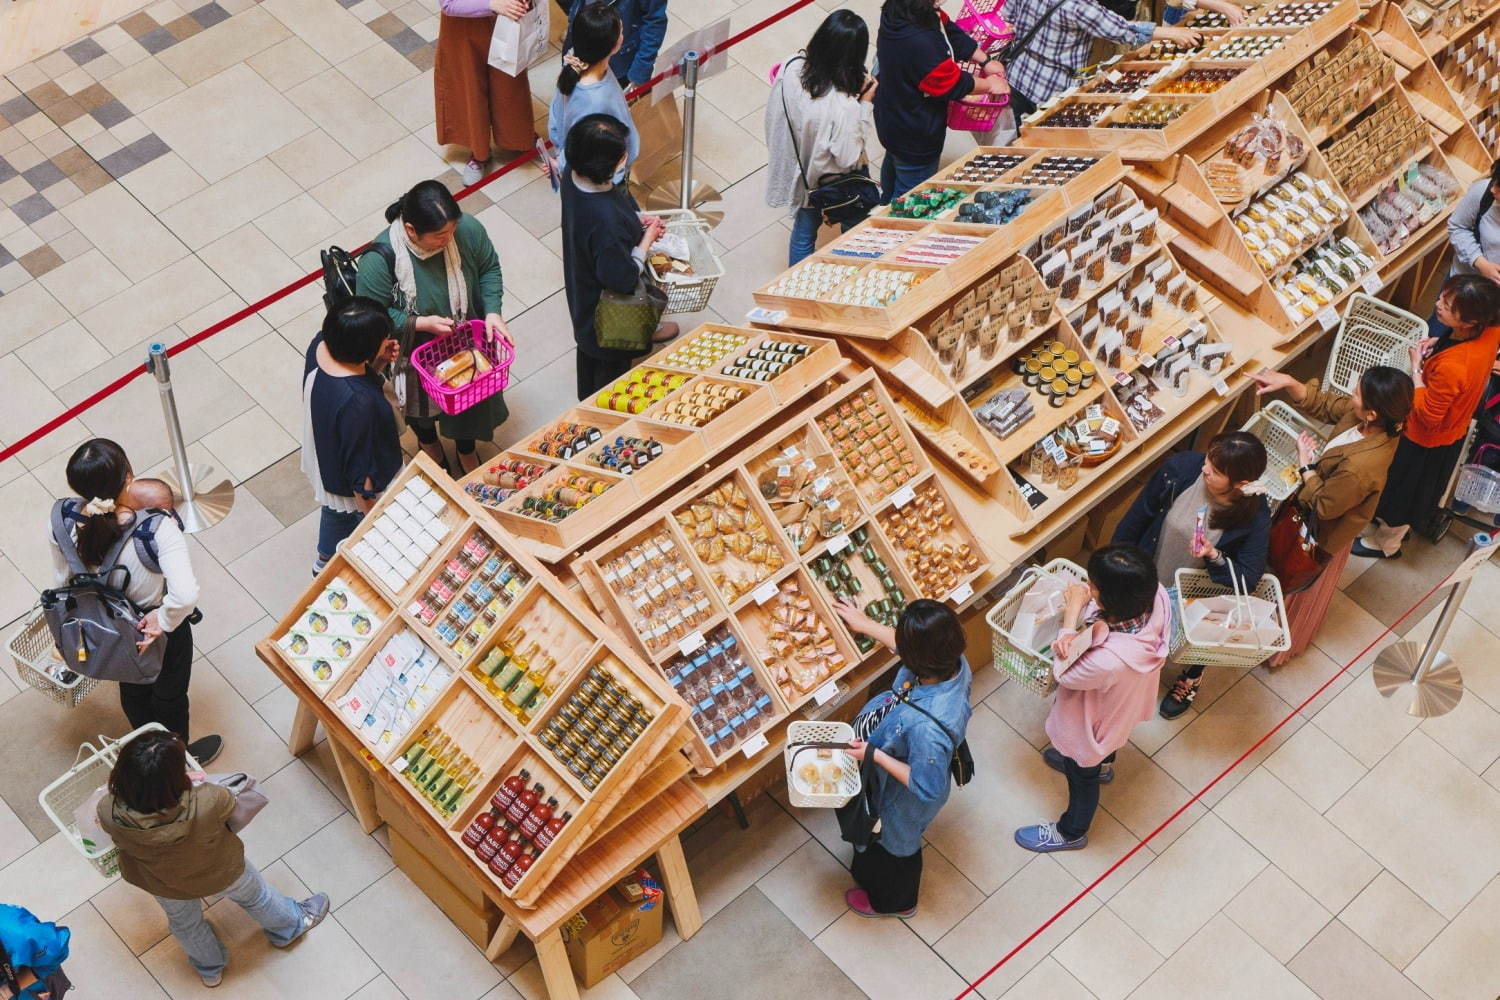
[(608, 933)]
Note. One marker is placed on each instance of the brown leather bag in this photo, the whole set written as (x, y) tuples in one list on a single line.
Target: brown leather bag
[(1295, 556)]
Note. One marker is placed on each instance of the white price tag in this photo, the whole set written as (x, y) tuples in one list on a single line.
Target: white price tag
[(691, 644), (1138, 95), (763, 315), (1110, 427), (963, 593), (399, 764), (903, 496), (1221, 387), (792, 451), (1328, 318), (765, 592), (1147, 360), (1115, 76), (755, 745), (838, 543), (826, 693), (1372, 283)]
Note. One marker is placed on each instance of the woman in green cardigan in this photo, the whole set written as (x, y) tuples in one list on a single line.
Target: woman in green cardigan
[(442, 268)]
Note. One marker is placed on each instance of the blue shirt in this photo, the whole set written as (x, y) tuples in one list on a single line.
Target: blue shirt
[(907, 735), (587, 99), (645, 25)]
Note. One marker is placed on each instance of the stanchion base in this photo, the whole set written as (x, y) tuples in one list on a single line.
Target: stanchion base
[(208, 505), (1435, 693)]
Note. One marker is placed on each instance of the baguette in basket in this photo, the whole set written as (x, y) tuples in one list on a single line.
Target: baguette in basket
[(461, 368)]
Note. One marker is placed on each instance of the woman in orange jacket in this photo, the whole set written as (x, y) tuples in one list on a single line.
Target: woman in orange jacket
[(1450, 373)]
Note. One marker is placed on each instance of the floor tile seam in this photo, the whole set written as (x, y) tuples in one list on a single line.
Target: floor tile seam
[(334, 67), (129, 950), (1288, 964)]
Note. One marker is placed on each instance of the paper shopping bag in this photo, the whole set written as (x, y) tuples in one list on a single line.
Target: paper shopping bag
[(1039, 618), (516, 46)]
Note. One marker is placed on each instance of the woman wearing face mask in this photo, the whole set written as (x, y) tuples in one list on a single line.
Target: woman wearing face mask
[(445, 270), (1342, 481), (605, 239), (1203, 511), (586, 86)]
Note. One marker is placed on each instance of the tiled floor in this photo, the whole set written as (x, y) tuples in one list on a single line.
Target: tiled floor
[(161, 172)]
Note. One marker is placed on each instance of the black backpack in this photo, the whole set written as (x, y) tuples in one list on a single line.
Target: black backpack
[(341, 270)]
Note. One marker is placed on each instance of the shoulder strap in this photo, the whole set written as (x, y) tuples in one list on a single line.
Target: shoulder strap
[(384, 250), (145, 536), (64, 511), (1485, 201), (1016, 46), (905, 699)]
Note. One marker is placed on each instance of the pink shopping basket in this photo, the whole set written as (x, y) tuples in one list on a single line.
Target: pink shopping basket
[(976, 113), (464, 336), (981, 21)]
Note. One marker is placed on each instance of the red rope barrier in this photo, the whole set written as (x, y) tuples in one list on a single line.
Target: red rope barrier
[(972, 987)]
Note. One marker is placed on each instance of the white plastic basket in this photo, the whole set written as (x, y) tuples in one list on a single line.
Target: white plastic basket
[(1373, 333), (90, 772), (1030, 668), (37, 663), (1195, 583), (1478, 485), (1278, 425), (808, 731), (691, 294)]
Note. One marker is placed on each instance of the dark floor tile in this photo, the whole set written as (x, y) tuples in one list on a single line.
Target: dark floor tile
[(6, 256), (40, 261), (6, 170), (65, 111), (120, 162), (18, 109), (110, 113), (43, 175), (209, 15), (32, 209), (157, 40), (148, 147), (423, 58), (72, 160), (386, 25), (283, 490), (84, 50), (732, 951), (46, 94), (406, 41), (92, 96)]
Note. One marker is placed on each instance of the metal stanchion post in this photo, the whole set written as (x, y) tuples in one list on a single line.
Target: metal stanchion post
[(690, 62), (199, 507), (1423, 672)]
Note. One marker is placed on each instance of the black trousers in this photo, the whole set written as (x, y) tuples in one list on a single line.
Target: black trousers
[(164, 700), (891, 882), (1415, 483), (595, 374), (1083, 797)]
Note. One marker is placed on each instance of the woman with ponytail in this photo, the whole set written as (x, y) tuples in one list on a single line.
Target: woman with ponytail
[(444, 269), (586, 86), (1221, 491), (161, 581)]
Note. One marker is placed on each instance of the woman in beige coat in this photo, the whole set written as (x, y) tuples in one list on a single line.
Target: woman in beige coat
[(1342, 483)]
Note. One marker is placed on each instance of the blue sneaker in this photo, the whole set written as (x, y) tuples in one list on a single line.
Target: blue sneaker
[(1044, 839)]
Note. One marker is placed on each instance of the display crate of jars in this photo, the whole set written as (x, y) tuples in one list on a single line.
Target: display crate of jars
[(459, 662)]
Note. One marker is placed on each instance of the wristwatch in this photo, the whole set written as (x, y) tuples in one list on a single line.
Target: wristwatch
[(1303, 470)]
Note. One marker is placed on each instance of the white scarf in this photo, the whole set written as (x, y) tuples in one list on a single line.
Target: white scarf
[(406, 278)]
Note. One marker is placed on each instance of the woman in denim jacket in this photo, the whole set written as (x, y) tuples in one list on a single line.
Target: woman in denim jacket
[(912, 730)]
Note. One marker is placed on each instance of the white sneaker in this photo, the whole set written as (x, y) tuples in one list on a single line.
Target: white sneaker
[(474, 172)]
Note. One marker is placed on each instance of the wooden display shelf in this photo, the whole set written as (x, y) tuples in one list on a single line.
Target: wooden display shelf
[(915, 552), (754, 617)]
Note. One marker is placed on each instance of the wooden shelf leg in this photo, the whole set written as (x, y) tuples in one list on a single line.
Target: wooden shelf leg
[(557, 973), (505, 936), (678, 884), (359, 786), (304, 728)]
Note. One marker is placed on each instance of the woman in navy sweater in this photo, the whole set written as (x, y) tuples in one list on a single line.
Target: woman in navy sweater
[(917, 53)]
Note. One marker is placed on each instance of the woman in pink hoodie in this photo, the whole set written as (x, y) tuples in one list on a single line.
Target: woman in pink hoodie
[(1107, 679)]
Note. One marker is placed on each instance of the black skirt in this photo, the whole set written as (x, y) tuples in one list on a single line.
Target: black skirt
[(1415, 484), (892, 882)]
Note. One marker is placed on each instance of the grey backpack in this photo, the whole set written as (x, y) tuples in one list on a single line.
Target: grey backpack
[(91, 619)]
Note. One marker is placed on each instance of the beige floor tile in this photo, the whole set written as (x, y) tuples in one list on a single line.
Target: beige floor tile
[(1416, 789), (1311, 764), (530, 270), (133, 915), (248, 524), (15, 838), (1221, 961), (378, 69), (277, 710), (1471, 731), (340, 859), (1218, 736), (1302, 677), (1392, 919), (1277, 913), (403, 929), (1297, 839), (946, 898), (1143, 795), (809, 887), (1347, 630), (1109, 841), (312, 158), (1462, 963), (23, 532), (236, 661), (223, 207), (84, 282), (27, 313), (287, 63), (1048, 979), (528, 984), (1364, 723), (226, 122), (411, 103), (886, 959), (145, 84), (299, 808), (106, 969), (1009, 916), (638, 965), (327, 964), (28, 401), (1187, 884), (51, 878), (347, 113), (736, 92), (1023, 711), (163, 183), (542, 332), (129, 235), (263, 571), (250, 263), (229, 43), (725, 860), (57, 367), (151, 306), (332, 31), (249, 443), (1470, 642), (1339, 966), (1107, 956), (362, 191), (379, 988), (300, 227)]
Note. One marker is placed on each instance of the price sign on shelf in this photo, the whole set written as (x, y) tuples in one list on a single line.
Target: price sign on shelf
[(765, 592), (770, 317), (691, 644), (963, 593), (399, 764), (754, 745), (1372, 283), (903, 496), (1328, 318), (826, 693), (838, 543), (1221, 387)]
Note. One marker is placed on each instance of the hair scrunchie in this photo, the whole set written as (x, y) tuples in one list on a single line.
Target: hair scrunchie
[(98, 506), (574, 63)]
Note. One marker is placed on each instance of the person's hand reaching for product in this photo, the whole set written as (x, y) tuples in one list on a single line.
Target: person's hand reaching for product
[(1307, 449), (495, 329), (1185, 37), (150, 627), (856, 619), (1269, 382), (513, 9)]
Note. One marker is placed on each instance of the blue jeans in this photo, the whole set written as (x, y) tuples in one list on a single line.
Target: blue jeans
[(278, 914), (898, 176), (805, 233), (333, 527)]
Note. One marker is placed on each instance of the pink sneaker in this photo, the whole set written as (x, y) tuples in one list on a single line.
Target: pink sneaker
[(859, 902)]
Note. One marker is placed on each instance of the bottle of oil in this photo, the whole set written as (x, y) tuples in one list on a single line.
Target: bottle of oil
[(520, 697)]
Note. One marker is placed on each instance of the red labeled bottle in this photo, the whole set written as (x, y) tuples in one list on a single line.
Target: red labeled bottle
[(506, 856), (492, 842), (537, 818), (481, 826), (510, 789), (518, 870), (549, 833), (524, 803)]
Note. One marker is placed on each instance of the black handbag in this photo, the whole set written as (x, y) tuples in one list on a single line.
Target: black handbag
[(961, 764), (841, 199), (859, 817)]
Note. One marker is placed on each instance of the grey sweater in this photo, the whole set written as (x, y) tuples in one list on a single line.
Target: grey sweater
[(1462, 226)]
